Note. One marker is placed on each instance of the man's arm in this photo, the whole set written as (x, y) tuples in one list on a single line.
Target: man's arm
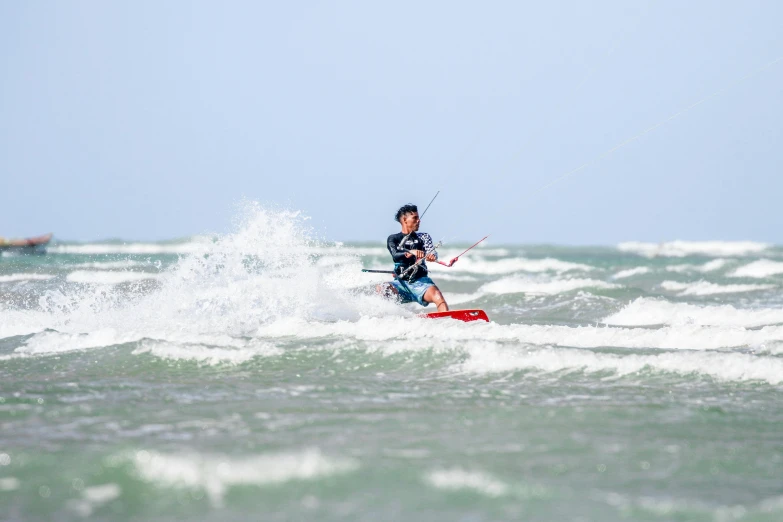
[(397, 255), (429, 246)]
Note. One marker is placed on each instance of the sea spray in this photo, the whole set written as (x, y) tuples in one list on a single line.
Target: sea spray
[(266, 270)]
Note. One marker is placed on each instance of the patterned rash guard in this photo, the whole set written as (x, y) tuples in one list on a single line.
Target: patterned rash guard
[(416, 241)]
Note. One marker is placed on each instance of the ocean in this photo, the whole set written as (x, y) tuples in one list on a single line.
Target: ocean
[(256, 375)]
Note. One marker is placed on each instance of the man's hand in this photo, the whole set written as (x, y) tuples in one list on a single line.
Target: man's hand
[(431, 257), (418, 254)]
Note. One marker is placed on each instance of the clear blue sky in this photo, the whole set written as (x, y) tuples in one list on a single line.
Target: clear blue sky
[(150, 120)]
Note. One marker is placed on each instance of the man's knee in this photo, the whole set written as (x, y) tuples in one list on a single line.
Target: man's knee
[(434, 295)]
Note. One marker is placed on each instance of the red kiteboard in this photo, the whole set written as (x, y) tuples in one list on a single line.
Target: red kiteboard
[(460, 315)]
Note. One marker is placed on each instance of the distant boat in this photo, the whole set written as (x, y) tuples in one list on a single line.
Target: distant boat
[(29, 245)]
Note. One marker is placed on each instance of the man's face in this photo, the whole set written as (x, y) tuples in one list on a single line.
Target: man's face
[(411, 221)]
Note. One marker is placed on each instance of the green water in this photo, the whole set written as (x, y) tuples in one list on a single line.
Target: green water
[(227, 388)]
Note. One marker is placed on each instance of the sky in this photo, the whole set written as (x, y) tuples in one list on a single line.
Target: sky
[(153, 120)]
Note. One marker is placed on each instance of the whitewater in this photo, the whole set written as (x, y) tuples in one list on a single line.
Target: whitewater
[(257, 375)]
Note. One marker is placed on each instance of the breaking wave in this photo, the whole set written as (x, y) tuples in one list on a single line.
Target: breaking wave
[(705, 288), (645, 311), (759, 269), (689, 248)]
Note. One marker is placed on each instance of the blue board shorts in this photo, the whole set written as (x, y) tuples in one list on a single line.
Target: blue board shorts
[(413, 290)]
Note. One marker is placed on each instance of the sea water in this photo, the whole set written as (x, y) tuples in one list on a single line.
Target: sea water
[(257, 376)]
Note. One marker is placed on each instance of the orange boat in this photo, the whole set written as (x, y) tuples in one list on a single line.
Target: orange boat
[(29, 244)]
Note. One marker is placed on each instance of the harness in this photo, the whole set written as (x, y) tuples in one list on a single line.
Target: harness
[(409, 273)]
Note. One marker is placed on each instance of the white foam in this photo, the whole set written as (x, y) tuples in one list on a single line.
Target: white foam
[(709, 266), (672, 337), (705, 288), (455, 299), (447, 252), (428, 334), (21, 322), (446, 276), (201, 347), (333, 260), (458, 479), (24, 277), (518, 285), (759, 269), (9, 484), (481, 249), (353, 250), (107, 278), (392, 334), (94, 497), (509, 266), (102, 494), (50, 343), (645, 311), (265, 271), (130, 248), (639, 270), (254, 284), (110, 265), (718, 365), (205, 354), (689, 248), (215, 474), (772, 348)]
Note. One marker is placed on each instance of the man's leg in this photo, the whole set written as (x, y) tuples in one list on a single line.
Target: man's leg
[(433, 295), (387, 290)]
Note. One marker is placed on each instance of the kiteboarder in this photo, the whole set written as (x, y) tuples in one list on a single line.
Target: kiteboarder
[(410, 249)]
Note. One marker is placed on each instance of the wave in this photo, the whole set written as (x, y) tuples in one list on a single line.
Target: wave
[(233, 293), (21, 322), (457, 479), (429, 334), (111, 265), (130, 248), (106, 277), (94, 497), (389, 335), (509, 266), (9, 484), (673, 508), (702, 288), (165, 343), (206, 354), (11, 278), (645, 311), (201, 244), (718, 365), (622, 274), (517, 285), (690, 248), (710, 266), (759, 269), (216, 474), (473, 348), (53, 343), (231, 289)]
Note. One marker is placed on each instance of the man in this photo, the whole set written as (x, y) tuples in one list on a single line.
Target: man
[(407, 248)]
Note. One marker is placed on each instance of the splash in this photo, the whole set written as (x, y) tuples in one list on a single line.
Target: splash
[(265, 271)]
